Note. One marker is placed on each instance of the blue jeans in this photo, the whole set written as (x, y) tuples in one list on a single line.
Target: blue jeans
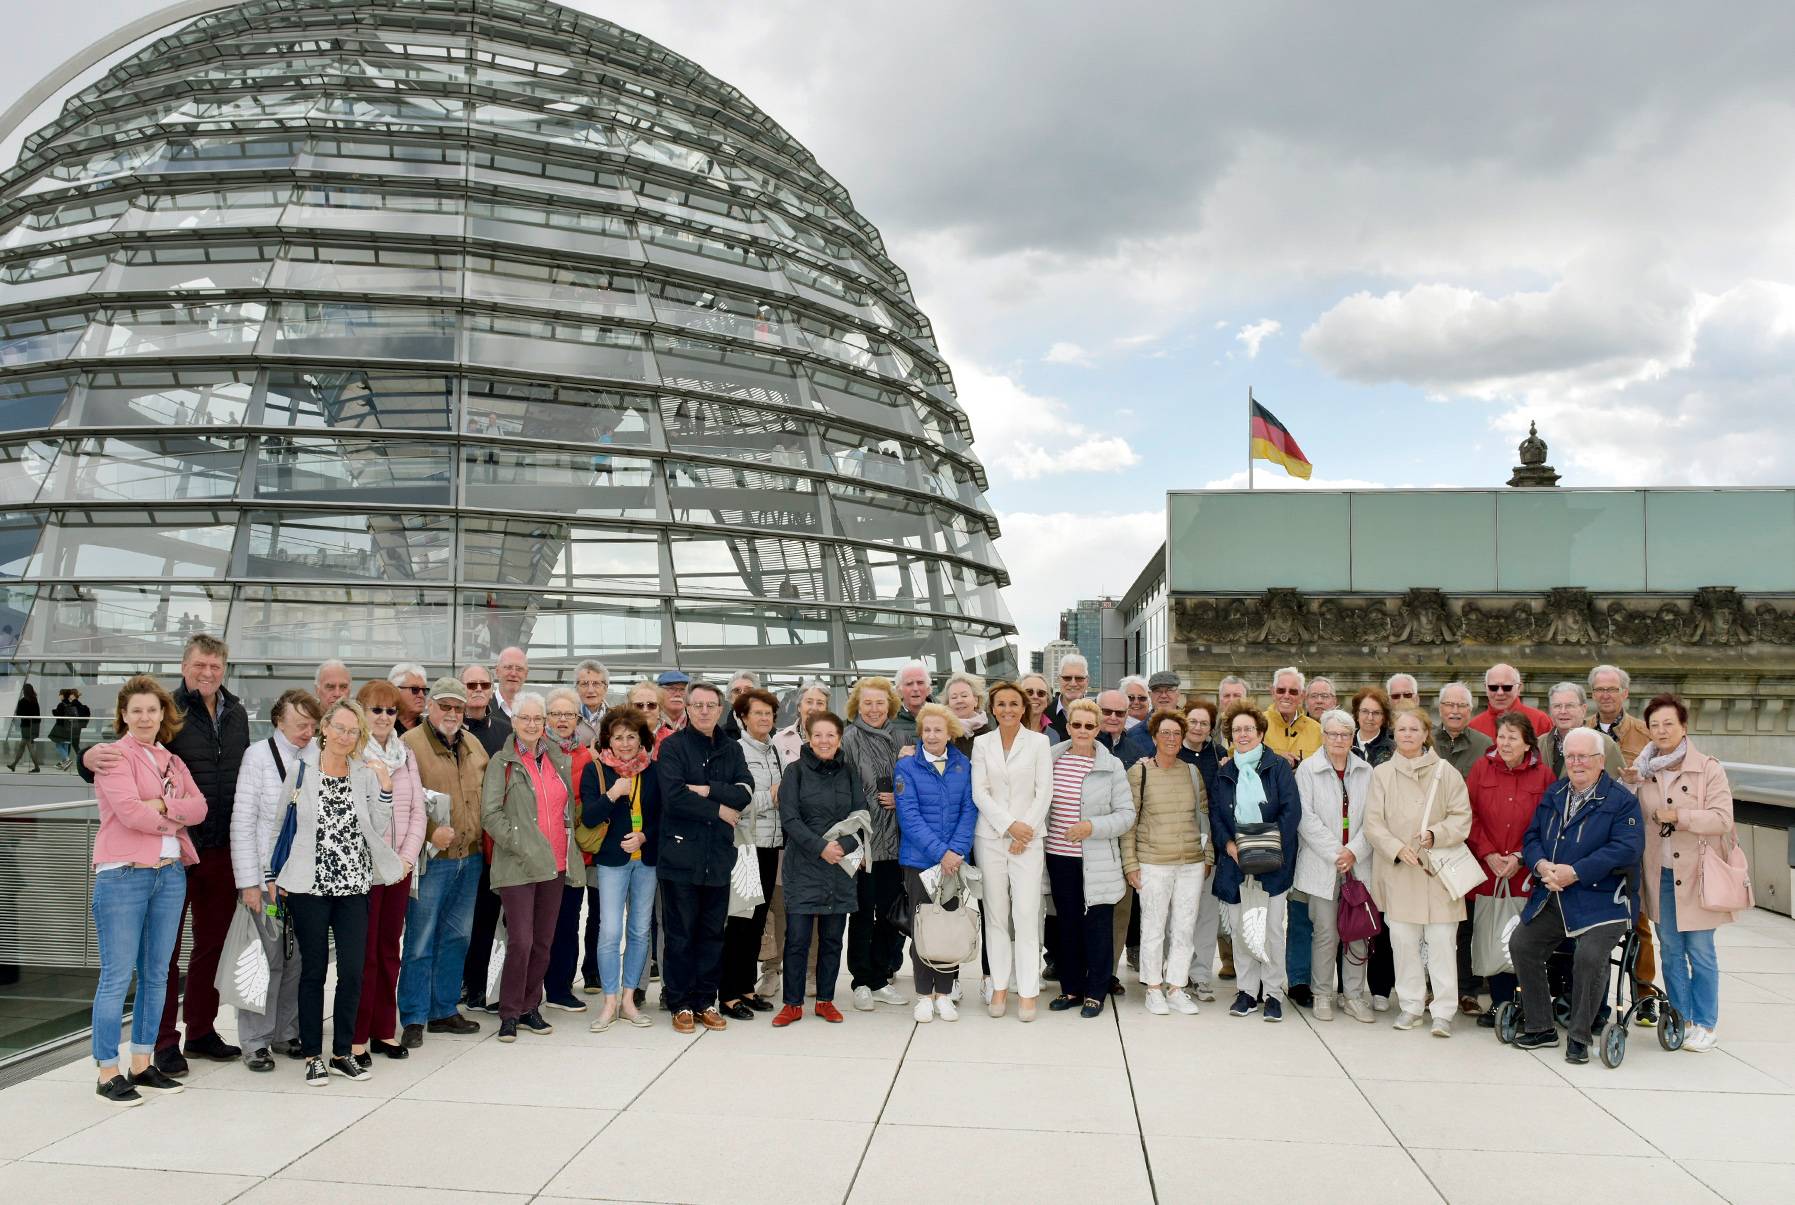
[(137, 916), (1298, 942), (1691, 969), (436, 935), (631, 885)]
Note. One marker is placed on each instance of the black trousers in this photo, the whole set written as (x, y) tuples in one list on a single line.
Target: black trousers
[(742, 935), (479, 942), (875, 945), (1468, 983), (1087, 954), (692, 921), (798, 928), (929, 981), (1534, 942), (316, 920), (565, 953)]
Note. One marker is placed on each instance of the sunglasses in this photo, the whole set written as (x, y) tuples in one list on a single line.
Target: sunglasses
[(1085, 726), (414, 690), (640, 706), (1499, 687), (1137, 698), (478, 685), (1285, 690), (383, 711), (1112, 711)]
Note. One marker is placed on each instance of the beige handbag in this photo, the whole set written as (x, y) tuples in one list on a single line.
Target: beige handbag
[(1455, 866), (945, 931)]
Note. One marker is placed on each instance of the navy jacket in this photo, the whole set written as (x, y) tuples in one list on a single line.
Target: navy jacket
[(935, 811), (1283, 807), (596, 808), (697, 846), (1135, 744), (1208, 760), (1603, 844)]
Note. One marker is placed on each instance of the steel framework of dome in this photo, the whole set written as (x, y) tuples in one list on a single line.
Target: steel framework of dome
[(412, 329)]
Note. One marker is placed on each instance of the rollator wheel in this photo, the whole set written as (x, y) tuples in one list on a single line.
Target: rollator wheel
[(1508, 1022), (1614, 1045), (1672, 1029)]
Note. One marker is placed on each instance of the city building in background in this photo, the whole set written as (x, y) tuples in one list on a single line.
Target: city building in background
[(1095, 626), (412, 329), (1051, 656)]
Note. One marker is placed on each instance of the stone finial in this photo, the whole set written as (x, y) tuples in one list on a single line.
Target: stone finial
[(1533, 472)]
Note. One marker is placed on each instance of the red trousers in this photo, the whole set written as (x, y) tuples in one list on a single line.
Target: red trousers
[(378, 1014), (211, 899)]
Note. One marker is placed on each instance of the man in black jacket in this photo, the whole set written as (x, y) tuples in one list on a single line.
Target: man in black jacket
[(1075, 683), (213, 738), (705, 784)]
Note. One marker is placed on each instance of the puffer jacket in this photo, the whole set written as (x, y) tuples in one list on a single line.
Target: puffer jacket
[(1283, 807), (401, 824), (1502, 805), (1318, 834), (1106, 801), (1603, 843), (1174, 835), (759, 825), (814, 797), (873, 753), (1399, 791), (212, 750), (521, 852), (260, 801), (935, 810), (299, 874)]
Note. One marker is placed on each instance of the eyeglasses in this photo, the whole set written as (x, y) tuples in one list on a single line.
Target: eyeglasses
[(1607, 690), (563, 715), (1035, 694), (1584, 756), (478, 685), (415, 690), (1083, 726), (1501, 687), (1137, 698), (383, 711), (1075, 677), (1112, 711), (650, 705), (347, 734)]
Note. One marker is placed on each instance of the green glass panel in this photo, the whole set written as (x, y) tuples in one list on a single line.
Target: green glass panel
[(1552, 537), (1402, 540), (1239, 541), (1739, 538)]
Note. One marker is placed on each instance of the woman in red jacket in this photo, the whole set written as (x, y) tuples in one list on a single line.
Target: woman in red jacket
[(1506, 786)]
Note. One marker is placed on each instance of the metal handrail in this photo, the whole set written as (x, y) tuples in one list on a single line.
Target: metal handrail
[(33, 809)]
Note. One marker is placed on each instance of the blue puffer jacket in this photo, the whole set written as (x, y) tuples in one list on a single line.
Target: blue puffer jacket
[(935, 811), (1283, 807), (1603, 844)]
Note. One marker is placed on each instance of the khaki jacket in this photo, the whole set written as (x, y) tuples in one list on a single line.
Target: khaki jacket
[(521, 853), (1399, 787), (1632, 735), (1164, 833), (459, 779)]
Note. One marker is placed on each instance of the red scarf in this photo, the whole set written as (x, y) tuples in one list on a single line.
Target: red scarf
[(625, 769)]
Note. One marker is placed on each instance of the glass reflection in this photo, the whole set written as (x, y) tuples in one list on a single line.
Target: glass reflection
[(327, 470), (144, 544), (116, 468), (181, 398), (139, 623)]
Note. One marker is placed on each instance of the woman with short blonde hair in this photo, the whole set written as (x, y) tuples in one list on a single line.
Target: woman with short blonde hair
[(870, 747)]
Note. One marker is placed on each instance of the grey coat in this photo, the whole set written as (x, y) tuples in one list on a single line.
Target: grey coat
[(520, 853), (872, 752), (1108, 803), (301, 870)]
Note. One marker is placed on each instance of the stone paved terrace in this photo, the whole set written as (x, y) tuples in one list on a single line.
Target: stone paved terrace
[(1127, 1108)]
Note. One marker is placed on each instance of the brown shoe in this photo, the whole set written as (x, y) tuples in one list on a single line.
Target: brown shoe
[(682, 1021), (713, 1019)]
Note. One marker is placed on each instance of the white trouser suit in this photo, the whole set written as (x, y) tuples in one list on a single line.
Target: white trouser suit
[(1010, 786)]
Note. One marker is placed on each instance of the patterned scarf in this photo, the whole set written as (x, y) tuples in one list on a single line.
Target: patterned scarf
[(625, 769)]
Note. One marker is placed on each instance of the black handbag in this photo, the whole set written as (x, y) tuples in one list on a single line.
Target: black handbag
[(1260, 848), (900, 914)]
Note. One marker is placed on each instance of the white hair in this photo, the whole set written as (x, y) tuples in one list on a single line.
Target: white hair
[(592, 666), (1328, 682), (404, 670), (1564, 687), (916, 667), (1393, 679), (333, 663), (1582, 736), (1234, 680), (973, 681), (747, 676), (1136, 679), (529, 698), (1460, 686), (1626, 679), (1503, 665), (1337, 719), (1302, 683), (558, 692), (1069, 658)]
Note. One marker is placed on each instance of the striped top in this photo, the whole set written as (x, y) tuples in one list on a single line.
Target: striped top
[(1068, 786)]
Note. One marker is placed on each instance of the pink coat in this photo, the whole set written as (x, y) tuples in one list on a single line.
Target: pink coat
[(130, 829), (1703, 801)]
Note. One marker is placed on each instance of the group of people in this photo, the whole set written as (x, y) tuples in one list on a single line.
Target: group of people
[(71, 720), (743, 862)]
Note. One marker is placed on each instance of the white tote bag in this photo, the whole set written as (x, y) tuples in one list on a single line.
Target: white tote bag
[(1455, 866)]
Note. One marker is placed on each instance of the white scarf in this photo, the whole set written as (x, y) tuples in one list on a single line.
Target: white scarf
[(1650, 766), (393, 754)]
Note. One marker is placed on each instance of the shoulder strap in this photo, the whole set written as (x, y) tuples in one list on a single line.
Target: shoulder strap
[(280, 765), (1433, 788)]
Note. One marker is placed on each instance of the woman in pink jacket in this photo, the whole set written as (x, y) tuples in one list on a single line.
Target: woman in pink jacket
[(403, 832), (141, 854), (1687, 804)]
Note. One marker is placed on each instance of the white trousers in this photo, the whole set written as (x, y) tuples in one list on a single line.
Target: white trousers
[(1012, 912), (1208, 928), (1168, 901), (1414, 969), (1324, 915), (1250, 975)]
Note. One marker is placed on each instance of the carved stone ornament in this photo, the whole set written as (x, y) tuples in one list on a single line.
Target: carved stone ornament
[(1425, 619), (1496, 625), (1720, 617), (1570, 617)]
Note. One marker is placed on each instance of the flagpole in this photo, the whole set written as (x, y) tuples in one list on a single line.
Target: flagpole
[(1249, 437)]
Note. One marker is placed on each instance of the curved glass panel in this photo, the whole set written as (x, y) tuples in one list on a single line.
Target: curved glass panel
[(97, 545)]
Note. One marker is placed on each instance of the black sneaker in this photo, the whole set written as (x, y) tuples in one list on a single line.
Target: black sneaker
[(364, 1060), (346, 1066), (316, 1073), (1487, 1019), (260, 1060), (481, 1006), (1544, 1039), (641, 995), (213, 1047), (414, 1036), (1243, 1005), (507, 1031), (533, 1022), (291, 1048), (1272, 1010), (1575, 1051), (169, 1062), (566, 1004), (118, 1091), (152, 1080), (1646, 1016), (654, 970), (1301, 996)]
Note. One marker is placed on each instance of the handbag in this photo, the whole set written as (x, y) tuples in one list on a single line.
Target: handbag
[(1259, 848), (589, 838), (1491, 917), (289, 828), (945, 931), (1724, 883), (1358, 917), (1455, 866)]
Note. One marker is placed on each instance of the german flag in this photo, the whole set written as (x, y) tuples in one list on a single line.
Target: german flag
[(1271, 440)]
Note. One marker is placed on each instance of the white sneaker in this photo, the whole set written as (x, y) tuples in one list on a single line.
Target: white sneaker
[(890, 995), (863, 998), (1323, 1009), (1156, 1003), (1442, 1027), (1700, 1040), (1407, 1021), (986, 991), (1380, 1004), (1358, 1009), (955, 994), (924, 1012), (1205, 993), (1181, 1002), (945, 1008)]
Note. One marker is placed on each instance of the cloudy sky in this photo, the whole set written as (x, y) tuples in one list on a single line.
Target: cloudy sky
[(1410, 230)]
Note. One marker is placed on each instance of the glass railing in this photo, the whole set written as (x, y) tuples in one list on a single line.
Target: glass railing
[(49, 958)]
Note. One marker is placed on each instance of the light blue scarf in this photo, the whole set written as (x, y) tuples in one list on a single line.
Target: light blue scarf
[(1249, 793)]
